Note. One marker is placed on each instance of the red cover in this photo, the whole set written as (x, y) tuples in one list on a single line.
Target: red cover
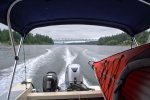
[(109, 69)]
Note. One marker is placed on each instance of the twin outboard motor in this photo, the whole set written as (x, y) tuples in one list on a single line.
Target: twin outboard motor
[(73, 80), (50, 82), (73, 75)]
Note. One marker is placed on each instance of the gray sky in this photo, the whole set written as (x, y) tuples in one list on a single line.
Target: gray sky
[(74, 31)]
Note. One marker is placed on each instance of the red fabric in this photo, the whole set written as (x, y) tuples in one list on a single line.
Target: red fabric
[(136, 85), (113, 68)]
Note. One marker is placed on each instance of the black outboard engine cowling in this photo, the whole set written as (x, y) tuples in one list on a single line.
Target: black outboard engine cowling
[(50, 82)]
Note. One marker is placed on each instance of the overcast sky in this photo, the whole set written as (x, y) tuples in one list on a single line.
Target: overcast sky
[(74, 31)]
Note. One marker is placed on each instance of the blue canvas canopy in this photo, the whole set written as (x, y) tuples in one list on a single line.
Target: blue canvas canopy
[(131, 16)]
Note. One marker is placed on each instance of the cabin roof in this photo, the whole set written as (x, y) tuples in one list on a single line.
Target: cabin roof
[(131, 16)]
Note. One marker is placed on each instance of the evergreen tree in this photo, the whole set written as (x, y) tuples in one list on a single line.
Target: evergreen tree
[(30, 39), (123, 39)]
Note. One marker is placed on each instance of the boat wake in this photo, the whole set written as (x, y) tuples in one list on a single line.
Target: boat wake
[(32, 65), (86, 55), (92, 56), (68, 58)]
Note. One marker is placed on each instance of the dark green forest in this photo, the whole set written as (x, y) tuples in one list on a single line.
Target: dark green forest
[(123, 39), (30, 38)]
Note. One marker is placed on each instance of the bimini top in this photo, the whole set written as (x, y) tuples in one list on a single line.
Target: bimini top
[(131, 16)]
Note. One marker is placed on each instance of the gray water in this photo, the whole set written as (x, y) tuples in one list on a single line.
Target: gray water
[(43, 58)]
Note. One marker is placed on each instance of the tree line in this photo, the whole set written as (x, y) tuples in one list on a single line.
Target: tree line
[(123, 39), (30, 38)]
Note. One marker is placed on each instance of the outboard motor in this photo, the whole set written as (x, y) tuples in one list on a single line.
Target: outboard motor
[(73, 75), (50, 82)]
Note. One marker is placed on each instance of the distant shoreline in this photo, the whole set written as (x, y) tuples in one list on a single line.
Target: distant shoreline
[(30, 38), (24, 44)]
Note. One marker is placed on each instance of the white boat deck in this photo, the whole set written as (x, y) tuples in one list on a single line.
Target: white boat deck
[(26, 94), (66, 95)]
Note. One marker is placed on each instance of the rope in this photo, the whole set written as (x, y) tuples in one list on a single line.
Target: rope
[(25, 64), (78, 95)]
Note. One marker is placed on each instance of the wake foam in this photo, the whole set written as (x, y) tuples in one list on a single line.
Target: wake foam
[(68, 58), (92, 56), (32, 66)]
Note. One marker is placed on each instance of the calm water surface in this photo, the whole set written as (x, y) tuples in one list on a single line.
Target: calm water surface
[(43, 58)]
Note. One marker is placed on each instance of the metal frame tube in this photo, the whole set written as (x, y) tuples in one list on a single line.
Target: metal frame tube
[(9, 24), (145, 2), (15, 65), (135, 41), (13, 45)]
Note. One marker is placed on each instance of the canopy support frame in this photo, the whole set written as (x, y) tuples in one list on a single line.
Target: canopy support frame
[(13, 45), (135, 41), (14, 68), (145, 2)]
